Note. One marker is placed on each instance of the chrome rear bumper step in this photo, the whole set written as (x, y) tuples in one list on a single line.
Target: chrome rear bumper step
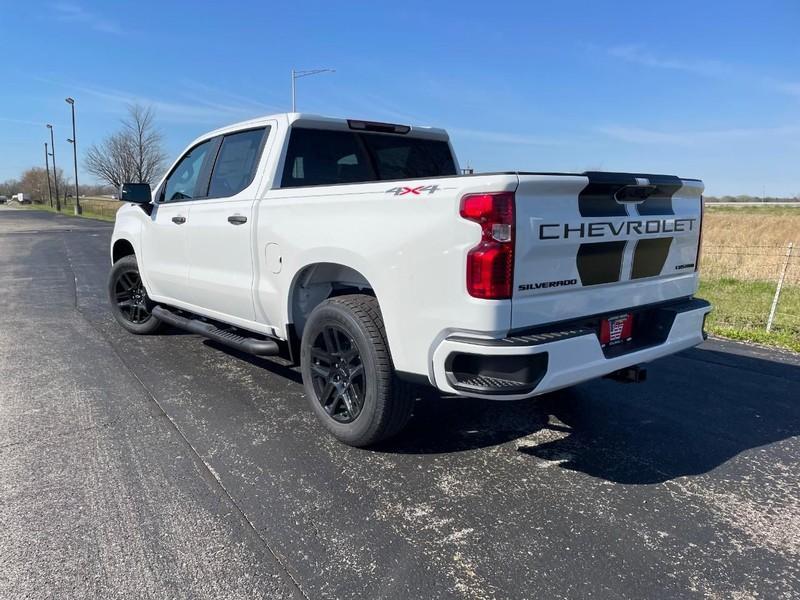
[(251, 345)]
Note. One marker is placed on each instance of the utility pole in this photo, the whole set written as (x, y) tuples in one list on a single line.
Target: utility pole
[(47, 168), (299, 74), (55, 171), (74, 143)]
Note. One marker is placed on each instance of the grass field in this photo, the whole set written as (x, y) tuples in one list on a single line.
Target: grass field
[(741, 309), (744, 250), (93, 208)]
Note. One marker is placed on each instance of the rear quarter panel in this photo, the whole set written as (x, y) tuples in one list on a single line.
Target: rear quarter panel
[(411, 248)]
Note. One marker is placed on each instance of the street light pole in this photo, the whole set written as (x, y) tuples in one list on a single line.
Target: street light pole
[(299, 74), (74, 141), (55, 171), (47, 168)]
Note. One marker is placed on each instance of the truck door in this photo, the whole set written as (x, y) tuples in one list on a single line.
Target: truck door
[(220, 233), (164, 238)]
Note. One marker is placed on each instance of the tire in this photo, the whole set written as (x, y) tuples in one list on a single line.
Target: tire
[(342, 333), (130, 304)]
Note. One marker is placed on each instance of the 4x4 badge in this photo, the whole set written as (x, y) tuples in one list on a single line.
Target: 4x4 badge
[(416, 191)]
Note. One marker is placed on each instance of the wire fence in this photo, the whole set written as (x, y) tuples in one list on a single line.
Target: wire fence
[(100, 207), (755, 286)]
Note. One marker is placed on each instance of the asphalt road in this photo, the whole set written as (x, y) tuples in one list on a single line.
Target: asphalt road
[(166, 467)]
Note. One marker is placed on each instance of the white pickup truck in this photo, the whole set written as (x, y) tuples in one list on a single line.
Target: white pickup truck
[(357, 250)]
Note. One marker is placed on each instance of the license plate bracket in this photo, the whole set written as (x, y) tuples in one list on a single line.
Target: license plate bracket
[(616, 329)]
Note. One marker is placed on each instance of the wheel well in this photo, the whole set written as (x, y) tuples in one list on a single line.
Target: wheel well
[(318, 282), (122, 248)]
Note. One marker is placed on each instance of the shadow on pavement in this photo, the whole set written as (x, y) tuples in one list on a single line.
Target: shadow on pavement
[(634, 434), (268, 364), (443, 424), (700, 409)]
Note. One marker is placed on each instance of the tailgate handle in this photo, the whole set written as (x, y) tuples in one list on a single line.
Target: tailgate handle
[(634, 194)]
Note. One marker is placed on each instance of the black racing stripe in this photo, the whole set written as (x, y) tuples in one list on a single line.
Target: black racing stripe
[(649, 257), (597, 198), (600, 262), (660, 203)]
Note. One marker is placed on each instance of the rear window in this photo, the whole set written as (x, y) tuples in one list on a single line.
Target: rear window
[(325, 157), (404, 158), (318, 157)]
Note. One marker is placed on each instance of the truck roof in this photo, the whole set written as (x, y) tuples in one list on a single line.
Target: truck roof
[(324, 122)]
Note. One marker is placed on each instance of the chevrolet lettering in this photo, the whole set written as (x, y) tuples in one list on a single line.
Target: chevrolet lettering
[(611, 229)]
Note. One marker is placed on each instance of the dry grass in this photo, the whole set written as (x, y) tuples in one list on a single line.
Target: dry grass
[(98, 207), (750, 243), (744, 250), (93, 208)]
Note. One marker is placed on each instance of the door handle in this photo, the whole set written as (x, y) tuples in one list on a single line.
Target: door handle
[(237, 219), (179, 220)]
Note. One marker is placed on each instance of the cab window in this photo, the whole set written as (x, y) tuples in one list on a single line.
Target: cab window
[(326, 157), (185, 181), (323, 157), (237, 162)]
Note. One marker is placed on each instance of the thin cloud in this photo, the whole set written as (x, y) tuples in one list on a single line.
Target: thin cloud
[(194, 112), (370, 105), (223, 98), (21, 121), (639, 55), (787, 87), (377, 105), (370, 102), (637, 135), (67, 12), (499, 137), (382, 108), (202, 111)]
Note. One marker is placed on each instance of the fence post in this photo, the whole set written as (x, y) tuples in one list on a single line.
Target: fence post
[(780, 285)]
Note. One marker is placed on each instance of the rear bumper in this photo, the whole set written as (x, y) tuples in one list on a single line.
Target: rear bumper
[(522, 366)]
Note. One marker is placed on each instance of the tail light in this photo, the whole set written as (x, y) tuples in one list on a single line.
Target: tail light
[(490, 264), (700, 235)]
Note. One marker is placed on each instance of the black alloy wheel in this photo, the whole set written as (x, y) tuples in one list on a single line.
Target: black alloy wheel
[(130, 304), (337, 373), (348, 373), (131, 297)]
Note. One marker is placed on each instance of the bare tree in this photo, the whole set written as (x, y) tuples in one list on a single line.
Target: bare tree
[(33, 183), (133, 154), (9, 187)]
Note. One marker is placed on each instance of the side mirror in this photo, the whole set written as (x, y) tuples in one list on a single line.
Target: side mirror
[(138, 193)]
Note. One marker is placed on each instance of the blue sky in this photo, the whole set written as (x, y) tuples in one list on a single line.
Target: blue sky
[(708, 90)]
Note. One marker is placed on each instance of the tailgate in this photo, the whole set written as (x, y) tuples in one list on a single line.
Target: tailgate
[(599, 242)]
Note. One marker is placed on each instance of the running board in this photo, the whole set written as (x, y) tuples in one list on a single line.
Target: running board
[(250, 345)]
